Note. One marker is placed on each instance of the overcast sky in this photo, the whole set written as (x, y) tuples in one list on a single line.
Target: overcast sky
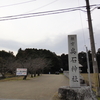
[(46, 32)]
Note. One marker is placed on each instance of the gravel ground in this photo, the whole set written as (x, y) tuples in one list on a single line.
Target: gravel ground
[(40, 88)]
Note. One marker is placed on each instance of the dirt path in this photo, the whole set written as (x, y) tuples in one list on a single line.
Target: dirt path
[(39, 88)]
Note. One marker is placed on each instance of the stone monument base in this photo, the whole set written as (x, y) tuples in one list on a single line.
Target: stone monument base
[(82, 93)]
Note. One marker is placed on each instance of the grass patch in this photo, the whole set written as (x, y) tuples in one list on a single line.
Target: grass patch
[(11, 77), (14, 78), (98, 98), (85, 76)]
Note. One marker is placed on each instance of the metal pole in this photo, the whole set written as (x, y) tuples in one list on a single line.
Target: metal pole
[(95, 67), (88, 67)]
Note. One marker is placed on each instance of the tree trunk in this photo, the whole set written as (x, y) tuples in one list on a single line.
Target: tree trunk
[(38, 74), (24, 78), (35, 74), (31, 75), (3, 75)]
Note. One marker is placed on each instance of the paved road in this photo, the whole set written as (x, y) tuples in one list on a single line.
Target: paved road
[(39, 88)]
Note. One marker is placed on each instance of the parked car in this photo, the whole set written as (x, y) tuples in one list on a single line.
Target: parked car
[(57, 73)]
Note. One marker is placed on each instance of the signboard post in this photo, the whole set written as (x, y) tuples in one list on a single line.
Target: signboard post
[(73, 61), (21, 71)]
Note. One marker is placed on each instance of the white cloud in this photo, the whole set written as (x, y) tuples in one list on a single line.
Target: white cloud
[(46, 32), (57, 44)]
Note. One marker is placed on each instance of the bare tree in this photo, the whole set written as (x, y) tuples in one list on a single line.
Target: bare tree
[(2, 67), (37, 65)]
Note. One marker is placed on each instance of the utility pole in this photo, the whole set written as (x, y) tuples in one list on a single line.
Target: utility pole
[(94, 61)]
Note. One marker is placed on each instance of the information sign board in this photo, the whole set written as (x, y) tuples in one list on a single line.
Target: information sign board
[(21, 71)]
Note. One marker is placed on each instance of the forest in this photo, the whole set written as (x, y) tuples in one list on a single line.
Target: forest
[(39, 61)]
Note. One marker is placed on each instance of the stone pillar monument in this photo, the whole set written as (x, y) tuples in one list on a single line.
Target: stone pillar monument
[(74, 91), (73, 62)]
